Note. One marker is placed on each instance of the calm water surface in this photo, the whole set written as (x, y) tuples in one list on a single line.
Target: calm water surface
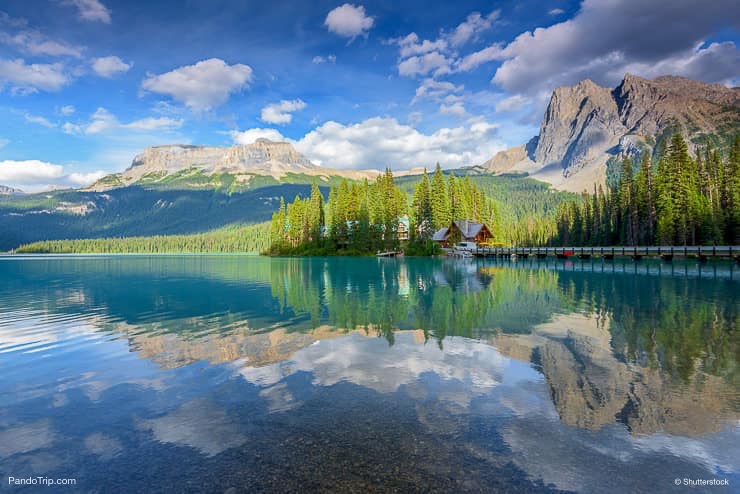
[(238, 374)]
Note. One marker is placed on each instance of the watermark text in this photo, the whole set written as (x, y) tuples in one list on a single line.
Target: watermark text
[(701, 482), (40, 481)]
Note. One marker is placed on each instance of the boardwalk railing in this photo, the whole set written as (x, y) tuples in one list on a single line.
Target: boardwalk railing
[(727, 271), (667, 252)]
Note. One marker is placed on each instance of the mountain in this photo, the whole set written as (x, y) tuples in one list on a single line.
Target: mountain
[(181, 165), (5, 190), (585, 125), (134, 211), (182, 189), (591, 388)]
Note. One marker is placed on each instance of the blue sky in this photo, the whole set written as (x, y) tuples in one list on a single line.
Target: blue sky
[(87, 84)]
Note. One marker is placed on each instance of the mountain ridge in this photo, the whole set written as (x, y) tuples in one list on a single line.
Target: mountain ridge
[(243, 162), (5, 190), (585, 125)]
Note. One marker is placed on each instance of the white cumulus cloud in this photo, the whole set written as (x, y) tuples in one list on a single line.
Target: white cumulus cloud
[(435, 89), (203, 86), (29, 172), (722, 59), (83, 179), (104, 121), (318, 59), (434, 63), (410, 45), (379, 142), (438, 57), (512, 103), (455, 109), (250, 136), (109, 67), (281, 113), (606, 39), (472, 27), (67, 110), (90, 10), (349, 21), (39, 120), (29, 78), (34, 175), (475, 59), (35, 43)]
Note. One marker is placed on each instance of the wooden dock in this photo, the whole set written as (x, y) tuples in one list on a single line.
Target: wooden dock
[(390, 253), (667, 253)]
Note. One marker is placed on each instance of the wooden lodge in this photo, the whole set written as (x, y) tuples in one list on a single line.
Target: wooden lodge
[(462, 231), (403, 228)]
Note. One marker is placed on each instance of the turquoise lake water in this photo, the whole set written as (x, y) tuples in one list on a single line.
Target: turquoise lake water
[(245, 374)]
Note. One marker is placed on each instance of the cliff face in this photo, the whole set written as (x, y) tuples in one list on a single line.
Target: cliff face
[(264, 157), (591, 388), (580, 123), (5, 190), (586, 124)]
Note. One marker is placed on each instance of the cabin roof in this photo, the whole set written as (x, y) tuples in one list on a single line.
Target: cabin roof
[(440, 234), (468, 229)]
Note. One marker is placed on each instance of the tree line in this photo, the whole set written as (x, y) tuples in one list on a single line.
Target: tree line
[(653, 321), (363, 217), (676, 199), (231, 239)]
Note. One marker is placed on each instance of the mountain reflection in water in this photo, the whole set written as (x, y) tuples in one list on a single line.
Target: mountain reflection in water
[(368, 374)]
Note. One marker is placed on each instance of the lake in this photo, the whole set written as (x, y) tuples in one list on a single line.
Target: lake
[(245, 374)]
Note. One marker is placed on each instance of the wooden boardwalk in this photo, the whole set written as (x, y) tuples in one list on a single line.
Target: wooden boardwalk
[(666, 253), (708, 270)]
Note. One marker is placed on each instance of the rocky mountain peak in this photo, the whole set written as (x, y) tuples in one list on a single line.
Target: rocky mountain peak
[(584, 114), (244, 161), (586, 124), (5, 190)]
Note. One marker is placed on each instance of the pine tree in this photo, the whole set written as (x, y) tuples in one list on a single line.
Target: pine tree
[(646, 201), (454, 196), (684, 190), (665, 200), (731, 195), (439, 200), (422, 208), (627, 205), (316, 213)]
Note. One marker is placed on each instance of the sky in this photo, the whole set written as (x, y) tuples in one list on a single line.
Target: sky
[(85, 85)]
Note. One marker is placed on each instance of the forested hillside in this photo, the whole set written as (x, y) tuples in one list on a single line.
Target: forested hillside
[(525, 207), (365, 217), (670, 199), (133, 212), (174, 209), (674, 200), (231, 239)]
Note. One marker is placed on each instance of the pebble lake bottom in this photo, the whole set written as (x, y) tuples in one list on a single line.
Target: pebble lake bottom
[(242, 374)]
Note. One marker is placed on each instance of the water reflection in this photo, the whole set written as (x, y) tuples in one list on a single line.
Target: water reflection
[(344, 374)]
